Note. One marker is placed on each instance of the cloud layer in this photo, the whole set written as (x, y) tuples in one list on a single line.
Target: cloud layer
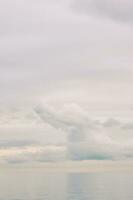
[(84, 136), (74, 58), (87, 138), (120, 10)]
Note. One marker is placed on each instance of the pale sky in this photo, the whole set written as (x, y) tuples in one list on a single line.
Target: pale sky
[(66, 80)]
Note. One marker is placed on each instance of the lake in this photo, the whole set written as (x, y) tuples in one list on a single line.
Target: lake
[(39, 185)]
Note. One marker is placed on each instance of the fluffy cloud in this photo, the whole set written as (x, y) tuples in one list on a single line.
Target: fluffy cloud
[(120, 10), (87, 138), (84, 137)]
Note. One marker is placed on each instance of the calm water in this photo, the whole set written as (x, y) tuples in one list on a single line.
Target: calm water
[(38, 185)]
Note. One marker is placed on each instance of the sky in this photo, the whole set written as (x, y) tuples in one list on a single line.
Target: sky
[(66, 80)]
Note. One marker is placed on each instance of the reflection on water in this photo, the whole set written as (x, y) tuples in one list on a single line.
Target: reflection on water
[(37, 185), (77, 186), (100, 186)]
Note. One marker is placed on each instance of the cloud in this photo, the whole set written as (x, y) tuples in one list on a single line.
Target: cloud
[(84, 136), (49, 51), (128, 126), (88, 138), (118, 10), (45, 42), (32, 153), (16, 143), (111, 123)]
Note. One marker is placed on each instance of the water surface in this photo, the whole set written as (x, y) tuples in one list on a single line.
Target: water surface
[(39, 185)]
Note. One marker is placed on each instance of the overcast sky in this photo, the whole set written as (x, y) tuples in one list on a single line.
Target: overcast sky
[(66, 80)]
